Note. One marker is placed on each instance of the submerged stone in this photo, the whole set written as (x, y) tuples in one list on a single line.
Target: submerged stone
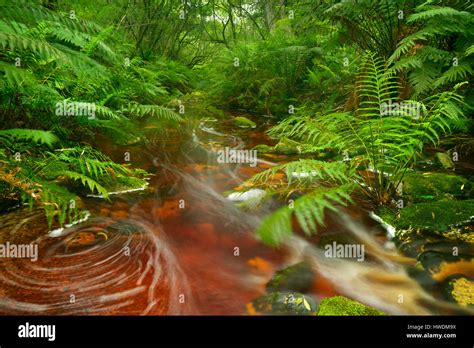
[(244, 122), (298, 277), (254, 195), (262, 148), (338, 238), (343, 306), (443, 160), (124, 227), (282, 303), (288, 147)]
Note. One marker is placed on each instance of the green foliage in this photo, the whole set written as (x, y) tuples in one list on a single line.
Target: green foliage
[(376, 26), (50, 62), (295, 60), (380, 140), (269, 76), (438, 51), (149, 111), (49, 57), (309, 208), (46, 177), (10, 136)]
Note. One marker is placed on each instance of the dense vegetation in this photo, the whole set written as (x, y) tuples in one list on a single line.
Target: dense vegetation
[(371, 81)]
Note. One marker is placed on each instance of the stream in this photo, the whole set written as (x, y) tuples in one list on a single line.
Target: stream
[(182, 247)]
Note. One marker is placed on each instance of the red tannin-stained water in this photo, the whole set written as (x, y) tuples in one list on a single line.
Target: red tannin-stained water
[(182, 247), (184, 252)]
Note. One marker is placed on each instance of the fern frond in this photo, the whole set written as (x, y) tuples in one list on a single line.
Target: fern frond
[(34, 135), (21, 43), (157, 111), (435, 11), (87, 182), (455, 74), (308, 209), (16, 77)]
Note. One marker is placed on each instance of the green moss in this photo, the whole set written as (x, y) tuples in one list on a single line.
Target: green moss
[(434, 186), (244, 122), (298, 277), (436, 216), (386, 214), (343, 306)]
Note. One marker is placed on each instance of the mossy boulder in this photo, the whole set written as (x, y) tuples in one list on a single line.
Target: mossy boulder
[(282, 303), (298, 277), (435, 186), (290, 147), (122, 185), (459, 289), (287, 146), (343, 306), (440, 216), (244, 122)]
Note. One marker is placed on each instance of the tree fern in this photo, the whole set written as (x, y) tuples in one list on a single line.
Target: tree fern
[(379, 139), (437, 52)]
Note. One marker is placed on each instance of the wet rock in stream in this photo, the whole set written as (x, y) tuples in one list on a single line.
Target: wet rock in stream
[(298, 277), (282, 303), (244, 122), (124, 227), (436, 227), (287, 147)]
